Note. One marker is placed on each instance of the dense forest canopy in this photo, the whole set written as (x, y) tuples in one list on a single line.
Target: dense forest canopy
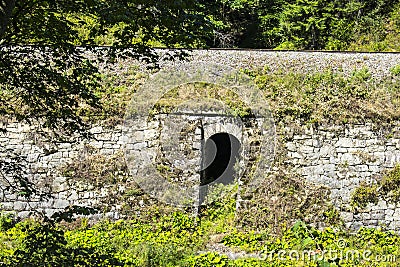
[(306, 24), (368, 25)]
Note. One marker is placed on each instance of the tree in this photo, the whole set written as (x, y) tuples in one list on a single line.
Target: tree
[(46, 80), (323, 24), (236, 23), (307, 24)]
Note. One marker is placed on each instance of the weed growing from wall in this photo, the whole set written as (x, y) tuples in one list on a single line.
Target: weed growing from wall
[(388, 188)]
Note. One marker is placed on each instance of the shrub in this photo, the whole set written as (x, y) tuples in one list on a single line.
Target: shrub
[(364, 194), (395, 70), (7, 221), (387, 188)]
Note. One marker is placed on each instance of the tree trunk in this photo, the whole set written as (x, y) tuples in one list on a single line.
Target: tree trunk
[(6, 8)]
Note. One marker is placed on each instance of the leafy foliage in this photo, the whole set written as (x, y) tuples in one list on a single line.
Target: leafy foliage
[(7, 221), (248, 241), (47, 85), (43, 244), (174, 241), (51, 81), (304, 24), (364, 194), (48, 82), (388, 188)]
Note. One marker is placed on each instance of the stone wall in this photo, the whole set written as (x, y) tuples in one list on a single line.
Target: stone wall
[(339, 157), (173, 154)]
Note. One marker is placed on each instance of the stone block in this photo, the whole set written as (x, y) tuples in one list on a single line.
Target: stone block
[(365, 216), (19, 205), (23, 214), (73, 196), (355, 226), (347, 216), (389, 218), (326, 151), (114, 137), (295, 155), (395, 225), (108, 145), (116, 146), (350, 159), (389, 212), (291, 146), (371, 223), (344, 142), (306, 149), (97, 144), (396, 214), (104, 137), (360, 143), (150, 134), (390, 148), (391, 158), (196, 146), (33, 205), (373, 168), (301, 137), (139, 146), (50, 212), (108, 151), (361, 168), (382, 205), (380, 156), (378, 215), (96, 130), (153, 124), (46, 203)]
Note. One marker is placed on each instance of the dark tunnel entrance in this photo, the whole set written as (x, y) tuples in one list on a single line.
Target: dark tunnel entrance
[(220, 154)]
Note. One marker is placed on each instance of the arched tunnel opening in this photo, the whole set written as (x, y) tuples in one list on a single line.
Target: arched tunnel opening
[(220, 153)]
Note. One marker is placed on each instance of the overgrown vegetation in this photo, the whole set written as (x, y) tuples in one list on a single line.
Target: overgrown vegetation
[(115, 91), (330, 97), (108, 179), (283, 198), (188, 96), (178, 239), (96, 169), (387, 188), (323, 97), (55, 84)]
